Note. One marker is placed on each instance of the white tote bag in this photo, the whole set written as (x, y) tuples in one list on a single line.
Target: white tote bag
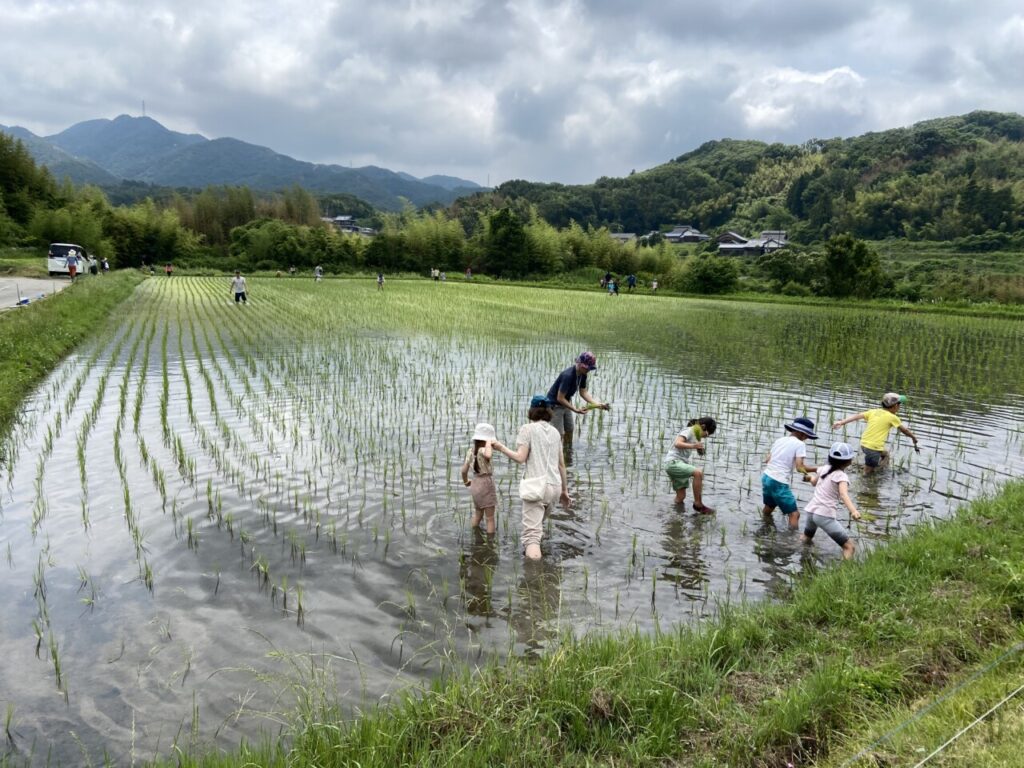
[(532, 488)]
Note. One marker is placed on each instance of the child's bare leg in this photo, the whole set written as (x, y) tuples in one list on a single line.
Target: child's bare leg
[(794, 519), (767, 510), (698, 486), (848, 549), (681, 496), (477, 515), (491, 521)]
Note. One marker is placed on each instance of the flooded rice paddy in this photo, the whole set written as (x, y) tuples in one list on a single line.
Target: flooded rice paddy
[(211, 507)]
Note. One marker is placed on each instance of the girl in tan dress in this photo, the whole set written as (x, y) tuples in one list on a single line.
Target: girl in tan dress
[(478, 459)]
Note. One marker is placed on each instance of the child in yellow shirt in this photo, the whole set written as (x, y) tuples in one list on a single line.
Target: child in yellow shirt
[(879, 422)]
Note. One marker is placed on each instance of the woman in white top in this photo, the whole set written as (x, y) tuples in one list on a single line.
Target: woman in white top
[(539, 447)]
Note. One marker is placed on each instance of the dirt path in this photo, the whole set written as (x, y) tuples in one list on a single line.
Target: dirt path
[(11, 288)]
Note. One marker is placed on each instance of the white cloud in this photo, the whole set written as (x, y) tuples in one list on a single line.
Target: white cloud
[(561, 90), (781, 98)]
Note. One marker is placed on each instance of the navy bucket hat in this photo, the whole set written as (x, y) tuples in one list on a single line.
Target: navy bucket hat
[(804, 426)]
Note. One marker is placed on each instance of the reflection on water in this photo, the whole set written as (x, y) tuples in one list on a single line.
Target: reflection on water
[(194, 509), (477, 574), (537, 609)]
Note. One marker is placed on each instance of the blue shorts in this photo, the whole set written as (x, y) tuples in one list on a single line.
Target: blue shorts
[(776, 494)]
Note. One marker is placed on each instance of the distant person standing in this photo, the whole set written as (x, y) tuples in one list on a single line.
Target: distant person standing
[(654, 286), (570, 381), (469, 273), (169, 269), (291, 271), (318, 273), (106, 265), (72, 261), (380, 281), (631, 282), (238, 288)]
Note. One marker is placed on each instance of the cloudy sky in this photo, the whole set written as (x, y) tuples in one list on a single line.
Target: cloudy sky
[(547, 90)]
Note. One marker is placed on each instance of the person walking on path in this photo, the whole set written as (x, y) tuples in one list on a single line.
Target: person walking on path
[(478, 459), (831, 485), (538, 447), (879, 422), (677, 462), (787, 453), (570, 381), (630, 282), (72, 261), (238, 288)]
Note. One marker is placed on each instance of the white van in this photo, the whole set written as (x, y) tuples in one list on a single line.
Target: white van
[(57, 259)]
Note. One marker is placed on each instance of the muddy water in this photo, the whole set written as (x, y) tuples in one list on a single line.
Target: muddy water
[(200, 520)]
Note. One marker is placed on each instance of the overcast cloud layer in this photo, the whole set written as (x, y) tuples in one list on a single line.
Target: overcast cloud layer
[(533, 89)]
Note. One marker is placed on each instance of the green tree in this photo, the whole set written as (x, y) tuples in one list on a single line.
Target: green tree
[(850, 268), (507, 248), (707, 274)]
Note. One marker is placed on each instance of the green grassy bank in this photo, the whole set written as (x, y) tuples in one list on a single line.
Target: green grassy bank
[(815, 681), (33, 339)]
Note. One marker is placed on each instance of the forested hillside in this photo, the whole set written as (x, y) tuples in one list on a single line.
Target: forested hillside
[(942, 179)]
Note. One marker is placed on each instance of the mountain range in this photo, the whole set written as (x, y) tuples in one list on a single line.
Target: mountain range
[(107, 152)]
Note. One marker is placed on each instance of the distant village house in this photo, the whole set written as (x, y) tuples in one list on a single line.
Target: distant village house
[(734, 244), (348, 224), (684, 233)]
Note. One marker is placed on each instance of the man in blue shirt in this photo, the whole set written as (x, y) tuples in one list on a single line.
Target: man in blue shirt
[(570, 381)]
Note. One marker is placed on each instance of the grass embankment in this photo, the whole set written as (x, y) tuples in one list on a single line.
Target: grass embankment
[(35, 338), (23, 262), (856, 651)]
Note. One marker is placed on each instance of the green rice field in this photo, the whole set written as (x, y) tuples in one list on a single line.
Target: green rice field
[(208, 502)]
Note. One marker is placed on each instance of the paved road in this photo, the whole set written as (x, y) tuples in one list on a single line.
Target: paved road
[(29, 287)]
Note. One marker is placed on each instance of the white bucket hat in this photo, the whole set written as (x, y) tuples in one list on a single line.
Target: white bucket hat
[(485, 432)]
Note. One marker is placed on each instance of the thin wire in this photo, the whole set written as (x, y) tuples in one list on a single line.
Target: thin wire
[(918, 715), (965, 730)]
